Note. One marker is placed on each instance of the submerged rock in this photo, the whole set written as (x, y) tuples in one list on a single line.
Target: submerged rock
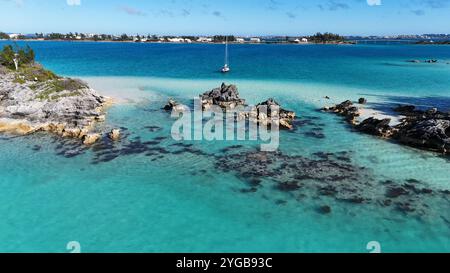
[(325, 209), (173, 105), (404, 109), (90, 139), (362, 101), (330, 177)]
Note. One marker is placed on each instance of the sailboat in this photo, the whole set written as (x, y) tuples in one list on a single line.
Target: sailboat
[(226, 68)]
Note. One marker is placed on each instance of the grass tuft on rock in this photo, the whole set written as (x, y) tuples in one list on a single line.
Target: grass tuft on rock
[(60, 88)]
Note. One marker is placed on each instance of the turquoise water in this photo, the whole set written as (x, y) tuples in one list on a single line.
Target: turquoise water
[(149, 194)]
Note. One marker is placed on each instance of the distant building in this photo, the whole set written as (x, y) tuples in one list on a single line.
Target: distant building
[(204, 40), (255, 40), (240, 40), (300, 41), (14, 36), (176, 40)]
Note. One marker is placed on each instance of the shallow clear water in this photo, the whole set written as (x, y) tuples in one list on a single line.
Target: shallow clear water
[(136, 196)]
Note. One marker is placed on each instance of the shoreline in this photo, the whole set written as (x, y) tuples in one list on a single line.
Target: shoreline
[(180, 43), (33, 99), (427, 130)]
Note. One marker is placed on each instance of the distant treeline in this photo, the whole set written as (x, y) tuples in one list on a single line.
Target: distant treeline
[(123, 37), (326, 38), (6, 36), (316, 38)]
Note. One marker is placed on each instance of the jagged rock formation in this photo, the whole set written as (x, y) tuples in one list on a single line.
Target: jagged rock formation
[(428, 130), (226, 96), (376, 127), (268, 112), (346, 109)]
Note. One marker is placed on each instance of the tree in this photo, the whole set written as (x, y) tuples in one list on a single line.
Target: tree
[(8, 54), (4, 36), (221, 38), (29, 55), (124, 37)]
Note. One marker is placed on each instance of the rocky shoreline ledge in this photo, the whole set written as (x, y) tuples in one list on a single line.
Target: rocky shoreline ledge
[(423, 129), (33, 99)]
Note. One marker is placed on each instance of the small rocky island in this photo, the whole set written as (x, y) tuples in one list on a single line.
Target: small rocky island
[(423, 129), (35, 99), (227, 98)]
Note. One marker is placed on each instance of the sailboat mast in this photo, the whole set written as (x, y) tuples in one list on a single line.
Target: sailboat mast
[(226, 50)]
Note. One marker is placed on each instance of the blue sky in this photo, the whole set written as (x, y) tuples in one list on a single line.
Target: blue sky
[(241, 17)]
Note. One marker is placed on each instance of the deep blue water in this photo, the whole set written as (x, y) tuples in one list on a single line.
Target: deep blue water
[(384, 66), (133, 197)]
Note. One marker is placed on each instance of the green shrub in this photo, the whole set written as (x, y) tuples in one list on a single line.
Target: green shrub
[(25, 55), (36, 72), (54, 87)]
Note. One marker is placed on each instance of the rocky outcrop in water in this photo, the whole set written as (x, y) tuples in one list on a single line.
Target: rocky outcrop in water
[(377, 127), (268, 112), (226, 96), (346, 109), (428, 129), (173, 105), (34, 99), (114, 134), (425, 61)]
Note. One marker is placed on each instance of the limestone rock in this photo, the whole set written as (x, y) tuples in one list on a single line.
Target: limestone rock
[(114, 134), (90, 139), (376, 127), (226, 96), (173, 105), (63, 106), (346, 109)]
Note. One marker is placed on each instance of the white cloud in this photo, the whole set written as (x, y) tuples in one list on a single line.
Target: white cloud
[(374, 2), (74, 2)]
